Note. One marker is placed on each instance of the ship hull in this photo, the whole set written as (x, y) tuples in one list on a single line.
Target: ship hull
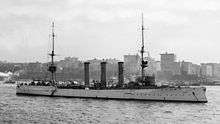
[(182, 94)]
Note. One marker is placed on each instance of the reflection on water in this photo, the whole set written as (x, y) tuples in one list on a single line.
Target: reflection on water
[(29, 109)]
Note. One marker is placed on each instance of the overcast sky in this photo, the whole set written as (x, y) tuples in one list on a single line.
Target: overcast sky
[(109, 28)]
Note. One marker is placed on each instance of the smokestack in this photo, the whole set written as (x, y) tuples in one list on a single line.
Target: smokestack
[(120, 74), (86, 71), (103, 74)]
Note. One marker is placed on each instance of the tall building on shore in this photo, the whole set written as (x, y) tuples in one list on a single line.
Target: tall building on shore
[(206, 69), (216, 70), (196, 69), (176, 68), (210, 69), (158, 66), (188, 68), (168, 62)]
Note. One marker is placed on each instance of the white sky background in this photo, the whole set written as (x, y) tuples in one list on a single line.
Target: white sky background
[(109, 28)]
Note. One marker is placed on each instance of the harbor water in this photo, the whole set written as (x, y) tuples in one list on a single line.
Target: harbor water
[(35, 109)]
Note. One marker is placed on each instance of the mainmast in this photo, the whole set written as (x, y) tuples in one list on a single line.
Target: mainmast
[(52, 67), (53, 36), (143, 63)]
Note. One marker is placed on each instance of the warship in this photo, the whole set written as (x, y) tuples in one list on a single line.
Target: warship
[(142, 89)]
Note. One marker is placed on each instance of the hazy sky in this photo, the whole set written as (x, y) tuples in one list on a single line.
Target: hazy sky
[(109, 28)]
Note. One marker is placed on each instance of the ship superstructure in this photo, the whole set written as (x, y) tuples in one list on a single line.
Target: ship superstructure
[(143, 90)]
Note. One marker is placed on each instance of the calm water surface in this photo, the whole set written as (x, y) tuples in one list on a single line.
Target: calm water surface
[(29, 109)]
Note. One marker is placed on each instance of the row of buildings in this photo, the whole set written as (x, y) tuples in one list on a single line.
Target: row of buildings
[(168, 65), (72, 67)]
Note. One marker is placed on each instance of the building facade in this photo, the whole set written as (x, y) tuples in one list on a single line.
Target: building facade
[(216, 70), (167, 63), (188, 68), (206, 69), (132, 64), (151, 68)]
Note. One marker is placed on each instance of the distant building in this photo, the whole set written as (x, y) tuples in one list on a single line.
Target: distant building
[(152, 65), (132, 64), (34, 67), (69, 62), (188, 68), (196, 69), (158, 66), (95, 68), (111, 68), (207, 69), (185, 67), (112, 61), (216, 70), (167, 63), (211, 69), (176, 68), (95, 64)]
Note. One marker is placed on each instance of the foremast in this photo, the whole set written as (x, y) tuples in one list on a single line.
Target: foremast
[(143, 63), (52, 67)]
